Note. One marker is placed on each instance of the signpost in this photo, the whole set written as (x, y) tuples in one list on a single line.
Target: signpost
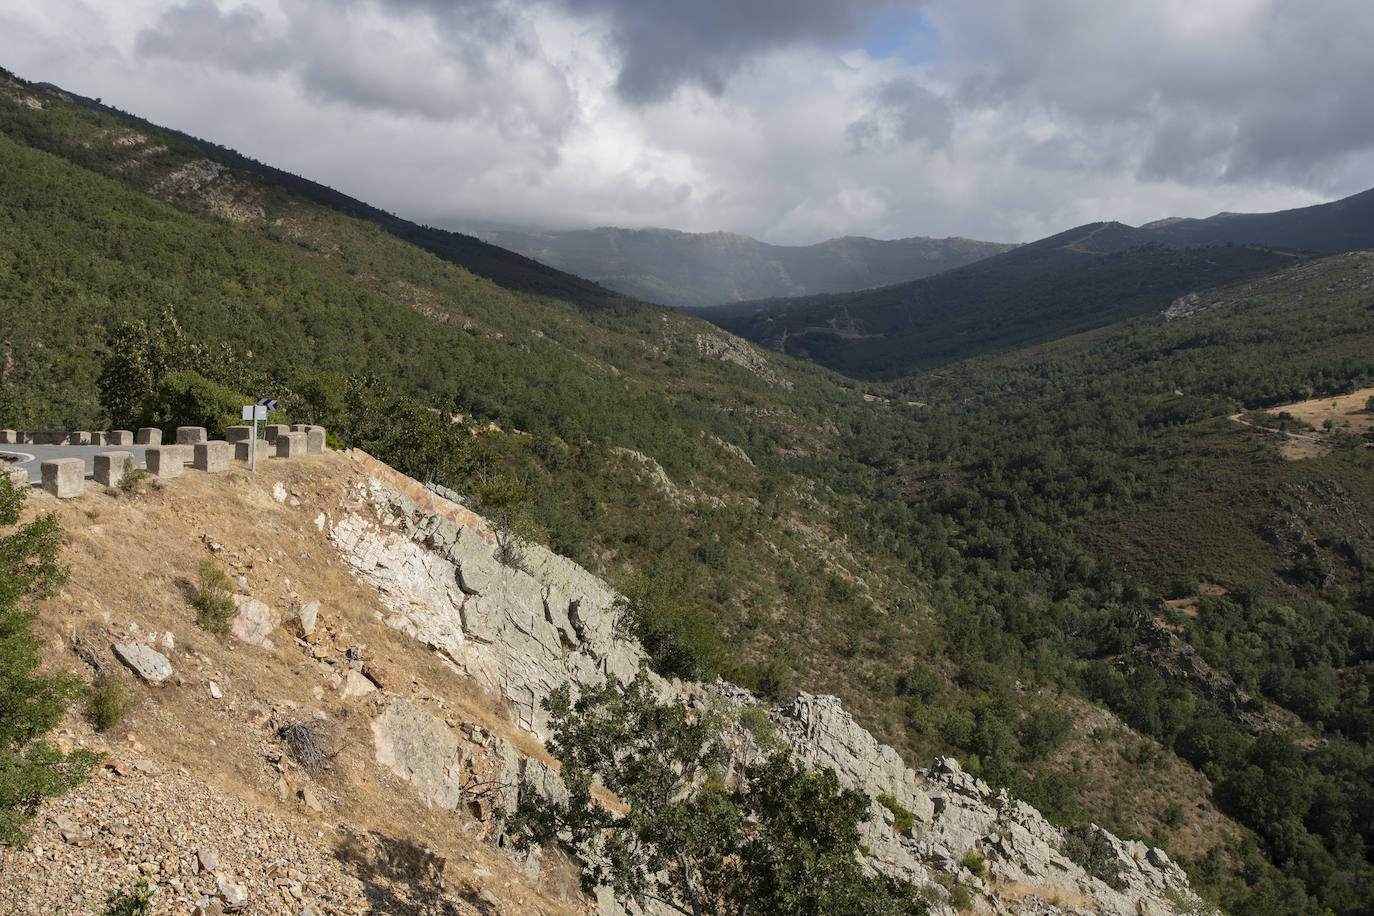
[(256, 412)]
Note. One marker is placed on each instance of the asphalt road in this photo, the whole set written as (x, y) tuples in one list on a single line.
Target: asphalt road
[(31, 457)]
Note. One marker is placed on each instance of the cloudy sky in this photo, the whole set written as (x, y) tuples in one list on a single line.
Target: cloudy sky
[(789, 120)]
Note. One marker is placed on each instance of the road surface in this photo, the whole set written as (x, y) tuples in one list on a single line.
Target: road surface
[(31, 457)]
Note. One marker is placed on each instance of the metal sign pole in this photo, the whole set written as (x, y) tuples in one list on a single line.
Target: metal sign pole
[(256, 412)]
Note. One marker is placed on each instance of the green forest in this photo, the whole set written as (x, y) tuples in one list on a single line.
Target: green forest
[(950, 555)]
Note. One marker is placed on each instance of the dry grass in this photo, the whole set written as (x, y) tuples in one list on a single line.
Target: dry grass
[(130, 555)]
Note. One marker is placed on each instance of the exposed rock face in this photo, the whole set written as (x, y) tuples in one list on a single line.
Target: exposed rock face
[(524, 631), (735, 350), (520, 631), (420, 748)]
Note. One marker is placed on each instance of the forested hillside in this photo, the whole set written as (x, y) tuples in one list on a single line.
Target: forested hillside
[(971, 557)]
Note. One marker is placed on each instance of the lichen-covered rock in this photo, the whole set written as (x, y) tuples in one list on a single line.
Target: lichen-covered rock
[(145, 661), (254, 621), (522, 630), (421, 749)]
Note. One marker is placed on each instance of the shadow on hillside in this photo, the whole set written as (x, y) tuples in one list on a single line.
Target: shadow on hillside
[(400, 878)]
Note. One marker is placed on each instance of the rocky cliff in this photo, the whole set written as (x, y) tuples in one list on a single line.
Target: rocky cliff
[(524, 628)]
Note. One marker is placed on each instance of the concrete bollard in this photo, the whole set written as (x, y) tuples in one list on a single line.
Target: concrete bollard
[(190, 435), (148, 435), (8, 437), (242, 451), (79, 438), (18, 477), (272, 430), (98, 438), (314, 440), (64, 477), (233, 434), (110, 467), (164, 461), (119, 437), (290, 445), (211, 457)]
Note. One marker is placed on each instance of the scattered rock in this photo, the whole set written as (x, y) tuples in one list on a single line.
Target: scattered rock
[(378, 675), (145, 661), (215, 692), (253, 622), (207, 859), (305, 617)]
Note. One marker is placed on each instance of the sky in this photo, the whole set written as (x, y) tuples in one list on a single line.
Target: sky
[(789, 120)]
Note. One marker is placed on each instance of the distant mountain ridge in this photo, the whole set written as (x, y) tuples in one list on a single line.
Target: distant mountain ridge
[(698, 270), (1342, 225), (1076, 280)]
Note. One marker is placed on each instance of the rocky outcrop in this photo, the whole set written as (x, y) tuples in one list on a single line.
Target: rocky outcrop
[(525, 628), (520, 630)]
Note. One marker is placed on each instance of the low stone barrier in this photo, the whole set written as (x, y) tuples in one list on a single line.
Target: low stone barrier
[(8, 437), (272, 430), (18, 477), (290, 445), (242, 451), (111, 467), (64, 477), (98, 438), (119, 437), (164, 461), (190, 435), (236, 434), (148, 435), (79, 437), (211, 457), (314, 440)]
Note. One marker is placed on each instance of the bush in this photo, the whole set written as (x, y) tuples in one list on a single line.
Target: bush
[(904, 819), (974, 862), (31, 705), (187, 398), (132, 477), (136, 901), (1088, 846), (108, 700), (214, 604)]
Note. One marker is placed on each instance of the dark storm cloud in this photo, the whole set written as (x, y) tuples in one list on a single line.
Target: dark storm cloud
[(902, 112), (663, 44)]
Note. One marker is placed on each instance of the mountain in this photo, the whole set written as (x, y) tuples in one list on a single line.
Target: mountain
[(684, 270), (1094, 570), (1079, 279), (1342, 225)]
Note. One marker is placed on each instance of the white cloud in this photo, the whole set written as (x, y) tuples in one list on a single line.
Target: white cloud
[(767, 117)]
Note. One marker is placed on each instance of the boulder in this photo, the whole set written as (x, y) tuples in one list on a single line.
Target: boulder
[(145, 661), (253, 622)]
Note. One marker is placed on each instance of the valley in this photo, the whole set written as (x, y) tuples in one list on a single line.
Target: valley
[(1032, 539)]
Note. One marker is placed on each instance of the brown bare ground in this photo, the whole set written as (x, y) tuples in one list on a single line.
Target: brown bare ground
[(1347, 412), (133, 559)]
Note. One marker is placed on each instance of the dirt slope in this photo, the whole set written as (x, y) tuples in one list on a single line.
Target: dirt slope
[(198, 766)]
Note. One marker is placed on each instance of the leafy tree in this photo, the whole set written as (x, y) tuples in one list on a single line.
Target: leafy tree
[(30, 704), (783, 840)]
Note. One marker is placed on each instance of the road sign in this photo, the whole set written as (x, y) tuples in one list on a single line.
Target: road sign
[(254, 412), (269, 403)]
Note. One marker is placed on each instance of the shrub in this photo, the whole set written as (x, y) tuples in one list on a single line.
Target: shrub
[(904, 819), (974, 862), (136, 901), (960, 897), (108, 700), (133, 476), (1088, 846), (31, 704), (215, 608)]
